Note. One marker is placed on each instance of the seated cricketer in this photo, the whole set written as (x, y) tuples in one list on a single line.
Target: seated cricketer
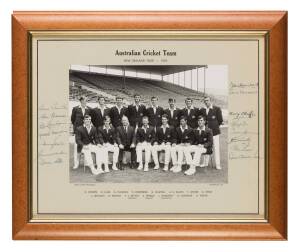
[(183, 140), (145, 137), (108, 143), (203, 144), (165, 135), (126, 140), (87, 139)]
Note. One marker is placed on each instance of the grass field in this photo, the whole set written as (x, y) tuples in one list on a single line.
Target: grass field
[(203, 175)]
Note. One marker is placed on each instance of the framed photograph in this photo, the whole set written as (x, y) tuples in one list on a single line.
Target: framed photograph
[(149, 125)]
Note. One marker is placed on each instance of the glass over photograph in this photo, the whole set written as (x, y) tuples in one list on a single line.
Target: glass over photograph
[(148, 123)]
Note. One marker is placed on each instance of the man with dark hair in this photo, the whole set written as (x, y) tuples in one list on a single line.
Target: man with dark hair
[(86, 139), (136, 112), (126, 140), (79, 112), (214, 119), (108, 142), (173, 113), (117, 112), (165, 136), (98, 113), (145, 137), (154, 113), (184, 139), (191, 113), (77, 118), (202, 145)]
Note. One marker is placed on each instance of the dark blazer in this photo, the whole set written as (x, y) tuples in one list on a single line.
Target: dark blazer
[(116, 117), (167, 137), (214, 119), (134, 116), (148, 136), (204, 137), (184, 137), (155, 119), (77, 116), (105, 136), (97, 117), (126, 138), (174, 121), (82, 137), (192, 117)]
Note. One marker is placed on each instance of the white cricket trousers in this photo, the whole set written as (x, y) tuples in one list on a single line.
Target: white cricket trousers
[(161, 147), (197, 150), (145, 146), (216, 146), (110, 148), (87, 150)]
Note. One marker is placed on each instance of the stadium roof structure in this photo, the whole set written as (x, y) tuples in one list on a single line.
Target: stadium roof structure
[(157, 69)]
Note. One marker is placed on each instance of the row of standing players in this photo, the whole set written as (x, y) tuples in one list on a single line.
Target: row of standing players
[(178, 132)]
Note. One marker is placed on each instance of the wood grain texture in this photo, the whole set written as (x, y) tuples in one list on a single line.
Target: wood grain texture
[(274, 22)]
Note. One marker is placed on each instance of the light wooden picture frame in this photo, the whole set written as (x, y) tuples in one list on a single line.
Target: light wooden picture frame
[(273, 24)]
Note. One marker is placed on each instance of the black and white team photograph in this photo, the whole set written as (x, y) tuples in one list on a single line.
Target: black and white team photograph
[(148, 123)]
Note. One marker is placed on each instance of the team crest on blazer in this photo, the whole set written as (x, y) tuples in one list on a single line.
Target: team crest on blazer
[(213, 117)]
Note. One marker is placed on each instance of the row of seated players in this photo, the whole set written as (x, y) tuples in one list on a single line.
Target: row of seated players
[(177, 143)]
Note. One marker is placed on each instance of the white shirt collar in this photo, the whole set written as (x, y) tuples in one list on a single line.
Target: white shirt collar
[(210, 107), (146, 127), (186, 127), (106, 128), (101, 108), (201, 128), (87, 127), (167, 126), (173, 108), (192, 107)]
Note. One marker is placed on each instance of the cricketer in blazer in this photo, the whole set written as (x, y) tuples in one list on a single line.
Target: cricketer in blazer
[(155, 119), (97, 116), (77, 116), (135, 116), (187, 136), (204, 137), (173, 120), (148, 136), (191, 117), (214, 118), (82, 137), (107, 135), (116, 117), (167, 137)]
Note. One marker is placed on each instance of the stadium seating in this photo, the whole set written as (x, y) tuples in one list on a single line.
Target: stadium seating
[(113, 86)]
